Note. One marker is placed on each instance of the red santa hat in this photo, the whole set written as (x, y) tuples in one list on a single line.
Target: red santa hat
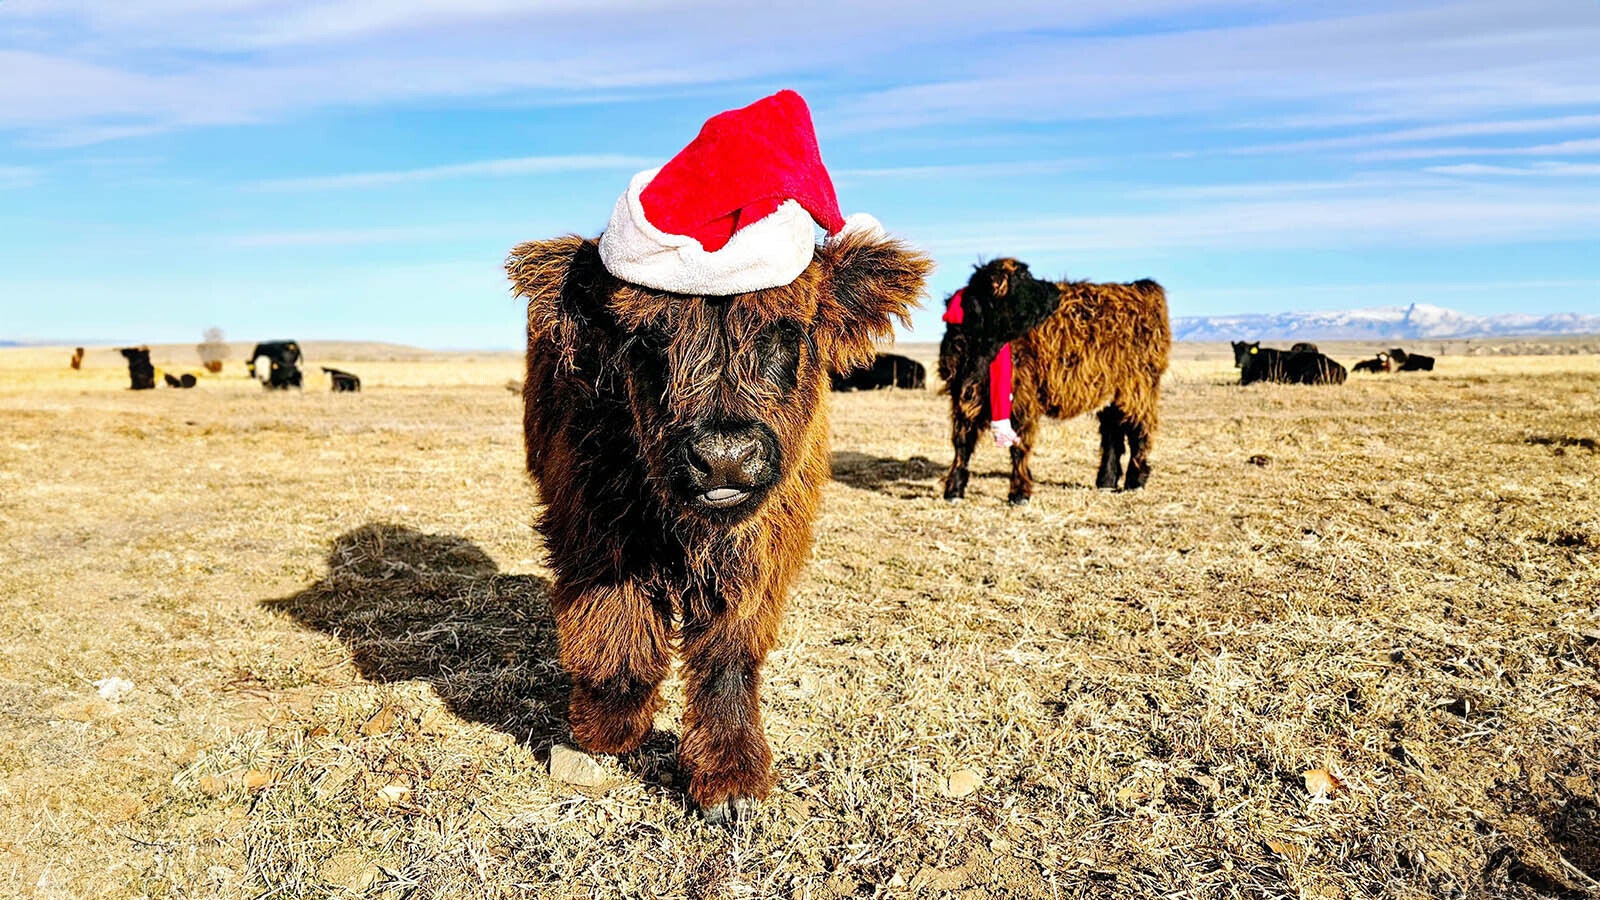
[(734, 211)]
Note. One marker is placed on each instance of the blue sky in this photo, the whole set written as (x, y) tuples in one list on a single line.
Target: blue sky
[(358, 168)]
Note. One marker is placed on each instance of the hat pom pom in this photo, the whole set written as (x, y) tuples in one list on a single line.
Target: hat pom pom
[(865, 225)]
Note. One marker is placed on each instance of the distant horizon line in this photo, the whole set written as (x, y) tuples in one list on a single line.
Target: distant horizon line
[(6, 344)]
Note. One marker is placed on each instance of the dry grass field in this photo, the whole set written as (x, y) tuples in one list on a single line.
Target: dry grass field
[(331, 610)]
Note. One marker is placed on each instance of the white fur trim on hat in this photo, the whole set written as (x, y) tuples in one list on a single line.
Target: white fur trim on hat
[(769, 252)]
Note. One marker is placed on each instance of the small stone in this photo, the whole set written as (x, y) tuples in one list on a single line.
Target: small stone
[(962, 783), (113, 689), (394, 792), (575, 767)]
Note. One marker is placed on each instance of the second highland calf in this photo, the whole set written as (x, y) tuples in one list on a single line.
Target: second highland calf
[(1077, 346)]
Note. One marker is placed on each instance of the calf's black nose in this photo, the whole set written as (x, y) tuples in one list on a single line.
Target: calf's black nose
[(727, 458)]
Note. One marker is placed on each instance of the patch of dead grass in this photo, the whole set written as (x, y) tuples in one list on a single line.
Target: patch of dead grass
[(334, 613)]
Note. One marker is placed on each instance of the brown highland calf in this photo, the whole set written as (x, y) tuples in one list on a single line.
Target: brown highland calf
[(680, 444), (1076, 346)]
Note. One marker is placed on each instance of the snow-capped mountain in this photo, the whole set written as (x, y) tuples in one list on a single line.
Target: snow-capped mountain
[(1414, 322)]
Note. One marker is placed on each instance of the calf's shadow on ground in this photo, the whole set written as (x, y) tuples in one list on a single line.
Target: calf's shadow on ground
[(913, 478), (435, 607)]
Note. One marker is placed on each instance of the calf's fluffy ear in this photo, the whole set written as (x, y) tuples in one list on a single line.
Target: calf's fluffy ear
[(559, 278), (873, 281)]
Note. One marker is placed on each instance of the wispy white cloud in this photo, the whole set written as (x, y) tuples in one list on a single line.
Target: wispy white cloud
[(1583, 146), (339, 237), (130, 66), (86, 135), (1463, 214), (1255, 190), (259, 24), (489, 168), (122, 70), (1541, 169), (1440, 62), (18, 176), (1425, 133), (967, 170), (1370, 288)]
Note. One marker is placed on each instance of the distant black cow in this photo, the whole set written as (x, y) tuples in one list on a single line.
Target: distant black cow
[(276, 364), (887, 370), (343, 382), (1410, 362), (140, 371), (1258, 363), (1375, 365), (1304, 347)]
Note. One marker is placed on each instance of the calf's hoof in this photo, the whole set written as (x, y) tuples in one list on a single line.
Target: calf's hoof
[(953, 498), (1019, 501), (733, 813)]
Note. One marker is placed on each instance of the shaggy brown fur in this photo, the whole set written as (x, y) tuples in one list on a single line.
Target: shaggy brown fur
[(643, 409), (77, 358), (1104, 345)]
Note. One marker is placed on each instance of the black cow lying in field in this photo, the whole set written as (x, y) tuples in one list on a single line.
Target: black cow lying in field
[(1410, 362), (888, 370), (343, 382), (186, 381), (276, 364), (1258, 363), (140, 371), (1379, 363)]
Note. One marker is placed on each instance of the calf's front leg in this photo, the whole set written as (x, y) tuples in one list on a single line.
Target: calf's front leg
[(964, 437), (1021, 491), (724, 749), (614, 645)]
